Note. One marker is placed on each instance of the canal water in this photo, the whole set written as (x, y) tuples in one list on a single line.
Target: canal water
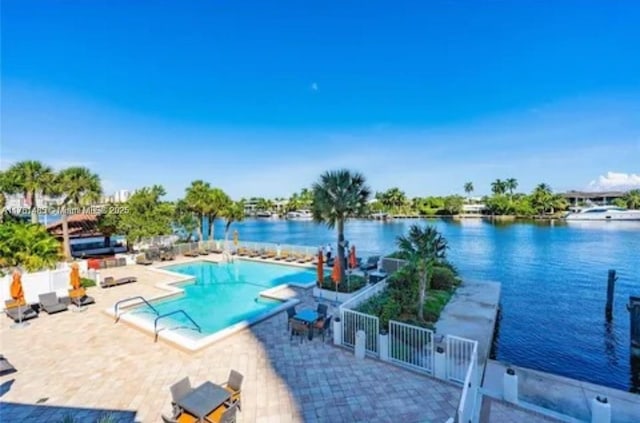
[(553, 278)]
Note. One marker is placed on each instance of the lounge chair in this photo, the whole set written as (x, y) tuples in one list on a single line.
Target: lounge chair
[(166, 255), (191, 254), (234, 385), (110, 281), (19, 312), (291, 258), (283, 255), (6, 367), (224, 414), (50, 303), (370, 264), (79, 297), (143, 260)]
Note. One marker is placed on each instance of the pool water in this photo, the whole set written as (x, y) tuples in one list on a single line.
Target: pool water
[(225, 294)]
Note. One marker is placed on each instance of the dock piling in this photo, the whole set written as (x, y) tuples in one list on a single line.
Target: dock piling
[(611, 284), (634, 325)]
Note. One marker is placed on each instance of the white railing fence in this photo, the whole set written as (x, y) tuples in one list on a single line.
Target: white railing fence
[(411, 346), (352, 322), (364, 295), (459, 353), (469, 398)]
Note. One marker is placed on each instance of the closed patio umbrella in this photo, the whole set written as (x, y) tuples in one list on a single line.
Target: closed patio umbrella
[(320, 271), (74, 279), (352, 261), (335, 275), (17, 293)]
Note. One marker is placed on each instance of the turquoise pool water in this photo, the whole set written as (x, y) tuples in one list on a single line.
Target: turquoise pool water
[(225, 294)]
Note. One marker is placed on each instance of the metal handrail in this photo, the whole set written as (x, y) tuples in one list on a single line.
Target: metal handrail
[(155, 322), (137, 297)]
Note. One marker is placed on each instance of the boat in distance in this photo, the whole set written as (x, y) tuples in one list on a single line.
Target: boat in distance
[(606, 213)]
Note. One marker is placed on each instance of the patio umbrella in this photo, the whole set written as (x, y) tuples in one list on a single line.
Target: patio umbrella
[(352, 261), (320, 271), (17, 294), (74, 276), (335, 275)]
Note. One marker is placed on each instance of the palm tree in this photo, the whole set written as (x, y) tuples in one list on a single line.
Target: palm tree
[(80, 187), (29, 178), (498, 187), (185, 219), (27, 245), (216, 204), (336, 195), (631, 199), (108, 224), (234, 212), (197, 199), (422, 248), (468, 189), (542, 199), (510, 185)]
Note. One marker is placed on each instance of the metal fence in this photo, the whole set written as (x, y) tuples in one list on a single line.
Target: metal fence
[(460, 353), (411, 346), (469, 397), (352, 322)]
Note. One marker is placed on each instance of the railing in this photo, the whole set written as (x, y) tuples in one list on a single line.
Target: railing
[(469, 396), (460, 352), (155, 322), (364, 295), (392, 265), (411, 346), (137, 297), (352, 322)]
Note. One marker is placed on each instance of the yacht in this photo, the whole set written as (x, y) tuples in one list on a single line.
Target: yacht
[(264, 214), (300, 215), (604, 213)]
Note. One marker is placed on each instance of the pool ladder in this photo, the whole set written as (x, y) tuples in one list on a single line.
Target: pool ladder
[(137, 297)]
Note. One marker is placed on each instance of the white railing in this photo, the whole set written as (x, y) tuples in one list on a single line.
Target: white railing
[(352, 322), (364, 295), (411, 346), (460, 352), (466, 410)]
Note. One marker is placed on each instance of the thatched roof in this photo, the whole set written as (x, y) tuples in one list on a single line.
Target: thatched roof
[(80, 226)]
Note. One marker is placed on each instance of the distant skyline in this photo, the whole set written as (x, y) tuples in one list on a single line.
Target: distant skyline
[(259, 99)]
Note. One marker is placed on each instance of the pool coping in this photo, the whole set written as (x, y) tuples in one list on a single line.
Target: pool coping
[(189, 344)]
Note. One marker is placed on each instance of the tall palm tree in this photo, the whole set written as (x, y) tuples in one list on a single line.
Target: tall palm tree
[(29, 178), (498, 187), (216, 204), (510, 185), (27, 245), (542, 199), (422, 248), (185, 219), (197, 200), (234, 212), (336, 195), (631, 199), (468, 189), (79, 187)]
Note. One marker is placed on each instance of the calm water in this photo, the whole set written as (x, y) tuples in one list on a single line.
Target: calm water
[(553, 284), (226, 294)]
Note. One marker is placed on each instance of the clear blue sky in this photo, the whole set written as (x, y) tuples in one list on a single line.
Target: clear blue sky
[(260, 97)]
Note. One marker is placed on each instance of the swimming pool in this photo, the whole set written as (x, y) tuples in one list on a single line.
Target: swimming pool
[(221, 296)]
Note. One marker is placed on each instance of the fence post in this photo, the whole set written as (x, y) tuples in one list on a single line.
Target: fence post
[(600, 410), (510, 386), (383, 345), (337, 331), (361, 342), (440, 362)]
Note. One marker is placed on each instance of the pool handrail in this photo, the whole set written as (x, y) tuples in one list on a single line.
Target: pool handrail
[(155, 322), (137, 297)]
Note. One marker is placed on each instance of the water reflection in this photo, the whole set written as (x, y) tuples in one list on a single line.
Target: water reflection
[(610, 343)]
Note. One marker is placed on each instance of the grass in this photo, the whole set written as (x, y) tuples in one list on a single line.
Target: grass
[(350, 284)]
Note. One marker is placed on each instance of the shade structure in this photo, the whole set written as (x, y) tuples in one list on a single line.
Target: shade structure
[(352, 257), (320, 268), (16, 288), (74, 276), (235, 238), (335, 274)]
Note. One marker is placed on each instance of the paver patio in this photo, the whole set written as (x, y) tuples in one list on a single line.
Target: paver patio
[(81, 361)]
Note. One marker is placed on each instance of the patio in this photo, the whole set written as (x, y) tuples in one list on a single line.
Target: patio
[(84, 363)]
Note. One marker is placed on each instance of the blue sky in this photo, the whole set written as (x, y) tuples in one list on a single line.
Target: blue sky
[(260, 98)]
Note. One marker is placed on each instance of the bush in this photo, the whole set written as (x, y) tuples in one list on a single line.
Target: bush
[(443, 278), (436, 300), (86, 282), (350, 284)]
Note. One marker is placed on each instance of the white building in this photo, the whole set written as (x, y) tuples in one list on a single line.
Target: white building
[(121, 196)]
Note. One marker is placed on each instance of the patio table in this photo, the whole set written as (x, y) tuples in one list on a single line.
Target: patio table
[(204, 399), (309, 317)]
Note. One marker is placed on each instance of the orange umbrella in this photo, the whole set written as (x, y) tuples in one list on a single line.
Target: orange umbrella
[(16, 288), (352, 257), (320, 268), (75, 276), (335, 274)]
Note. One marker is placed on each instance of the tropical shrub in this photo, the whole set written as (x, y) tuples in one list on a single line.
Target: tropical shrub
[(443, 278), (86, 282), (350, 284), (28, 246)]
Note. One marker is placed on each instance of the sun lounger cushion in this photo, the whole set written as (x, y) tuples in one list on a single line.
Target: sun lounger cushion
[(23, 312), (82, 301), (50, 303)]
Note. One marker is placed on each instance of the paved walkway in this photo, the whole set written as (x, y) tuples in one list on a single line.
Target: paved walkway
[(85, 365)]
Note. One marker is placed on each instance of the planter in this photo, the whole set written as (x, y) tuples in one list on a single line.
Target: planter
[(331, 295)]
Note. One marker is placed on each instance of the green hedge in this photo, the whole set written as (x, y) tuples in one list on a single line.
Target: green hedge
[(86, 282), (350, 284)]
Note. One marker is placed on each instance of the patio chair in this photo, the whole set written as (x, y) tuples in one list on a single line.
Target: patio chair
[(224, 414), (322, 309), (370, 264), (19, 312), (179, 390), (50, 303), (291, 313), (234, 385), (143, 260), (300, 329), (323, 326)]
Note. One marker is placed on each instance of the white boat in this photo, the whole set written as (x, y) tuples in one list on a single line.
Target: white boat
[(300, 215), (264, 214), (606, 213)]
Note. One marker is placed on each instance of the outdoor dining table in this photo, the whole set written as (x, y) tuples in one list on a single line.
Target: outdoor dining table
[(309, 317), (204, 399)]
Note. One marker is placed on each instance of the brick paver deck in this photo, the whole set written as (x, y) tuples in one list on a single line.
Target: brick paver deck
[(85, 364)]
